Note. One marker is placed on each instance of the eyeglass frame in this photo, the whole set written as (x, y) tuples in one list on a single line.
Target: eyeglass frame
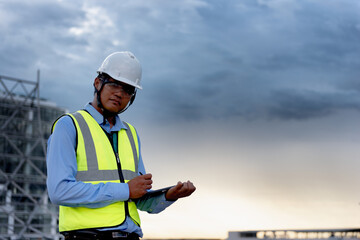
[(118, 86)]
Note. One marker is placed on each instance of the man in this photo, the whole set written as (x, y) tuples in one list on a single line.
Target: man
[(95, 169)]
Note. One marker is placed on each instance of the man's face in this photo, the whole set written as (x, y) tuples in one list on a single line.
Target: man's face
[(115, 95)]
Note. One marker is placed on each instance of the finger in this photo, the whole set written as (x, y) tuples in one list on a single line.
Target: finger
[(185, 186), (178, 186), (191, 185), (147, 176), (188, 189), (148, 182), (175, 188)]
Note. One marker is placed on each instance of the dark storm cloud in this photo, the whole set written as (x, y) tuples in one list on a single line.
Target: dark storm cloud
[(352, 84), (201, 59), (36, 14), (196, 101), (289, 104), (34, 32), (275, 48)]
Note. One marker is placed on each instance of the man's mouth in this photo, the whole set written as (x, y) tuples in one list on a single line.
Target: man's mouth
[(117, 102)]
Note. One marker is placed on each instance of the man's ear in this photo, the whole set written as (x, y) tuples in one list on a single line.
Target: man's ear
[(97, 83)]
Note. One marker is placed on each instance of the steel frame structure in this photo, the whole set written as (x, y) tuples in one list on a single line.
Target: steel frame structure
[(25, 210)]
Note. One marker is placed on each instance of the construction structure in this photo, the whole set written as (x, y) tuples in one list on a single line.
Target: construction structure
[(25, 123), (316, 234)]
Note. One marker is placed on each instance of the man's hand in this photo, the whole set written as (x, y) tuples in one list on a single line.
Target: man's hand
[(139, 185), (180, 190)]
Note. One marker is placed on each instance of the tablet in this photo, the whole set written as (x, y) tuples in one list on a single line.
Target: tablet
[(153, 193)]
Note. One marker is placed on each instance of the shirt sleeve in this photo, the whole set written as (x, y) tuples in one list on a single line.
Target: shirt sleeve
[(154, 204), (63, 188)]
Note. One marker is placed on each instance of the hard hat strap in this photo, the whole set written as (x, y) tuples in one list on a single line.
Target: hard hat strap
[(99, 104), (130, 102)]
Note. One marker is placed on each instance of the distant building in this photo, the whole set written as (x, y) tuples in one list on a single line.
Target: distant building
[(296, 234), (182, 239), (25, 122)]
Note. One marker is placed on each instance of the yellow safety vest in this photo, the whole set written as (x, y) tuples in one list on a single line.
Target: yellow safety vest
[(97, 162)]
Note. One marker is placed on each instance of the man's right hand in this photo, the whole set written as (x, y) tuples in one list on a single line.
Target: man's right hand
[(139, 185)]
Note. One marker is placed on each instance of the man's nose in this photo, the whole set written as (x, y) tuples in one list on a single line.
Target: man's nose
[(119, 93)]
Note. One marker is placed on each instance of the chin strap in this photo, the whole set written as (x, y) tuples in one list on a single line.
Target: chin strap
[(129, 104), (105, 113)]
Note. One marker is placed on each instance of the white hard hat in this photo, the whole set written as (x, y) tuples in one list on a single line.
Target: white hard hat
[(123, 67)]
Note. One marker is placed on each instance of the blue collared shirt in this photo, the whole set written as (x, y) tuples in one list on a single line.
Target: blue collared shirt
[(63, 188)]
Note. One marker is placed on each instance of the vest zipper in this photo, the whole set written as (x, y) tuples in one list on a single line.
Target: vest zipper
[(119, 167), (126, 204)]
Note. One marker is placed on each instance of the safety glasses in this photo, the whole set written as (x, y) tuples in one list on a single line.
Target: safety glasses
[(119, 87)]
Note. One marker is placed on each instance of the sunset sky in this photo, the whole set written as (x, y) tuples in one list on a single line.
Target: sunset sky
[(255, 101)]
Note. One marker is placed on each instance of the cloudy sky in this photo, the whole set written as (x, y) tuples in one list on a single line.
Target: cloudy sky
[(256, 101)]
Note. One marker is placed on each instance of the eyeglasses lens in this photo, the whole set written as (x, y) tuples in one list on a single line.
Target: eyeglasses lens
[(118, 87)]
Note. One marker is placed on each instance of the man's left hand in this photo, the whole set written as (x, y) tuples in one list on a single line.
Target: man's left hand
[(182, 189)]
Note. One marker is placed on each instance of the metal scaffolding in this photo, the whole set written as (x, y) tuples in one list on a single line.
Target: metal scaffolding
[(25, 121)]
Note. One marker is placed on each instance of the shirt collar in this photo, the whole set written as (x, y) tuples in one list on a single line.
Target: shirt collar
[(99, 119)]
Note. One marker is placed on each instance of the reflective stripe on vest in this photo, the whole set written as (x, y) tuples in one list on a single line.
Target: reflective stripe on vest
[(96, 163), (93, 173)]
